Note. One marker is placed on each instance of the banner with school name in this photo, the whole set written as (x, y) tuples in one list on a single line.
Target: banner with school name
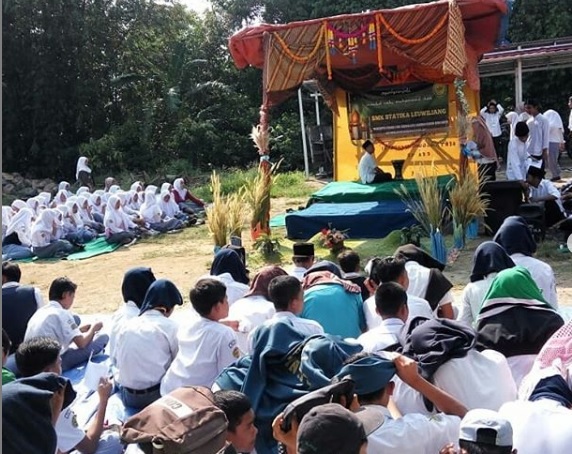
[(409, 110)]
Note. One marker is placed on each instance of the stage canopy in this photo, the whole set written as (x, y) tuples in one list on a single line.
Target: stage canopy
[(435, 42)]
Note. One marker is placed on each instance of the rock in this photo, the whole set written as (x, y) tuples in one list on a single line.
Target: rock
[(8, 188), (50, 187), (27, 192), (7, 177), (18, 180), (36, 184)]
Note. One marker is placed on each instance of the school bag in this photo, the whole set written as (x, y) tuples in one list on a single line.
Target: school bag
[(185, 421)]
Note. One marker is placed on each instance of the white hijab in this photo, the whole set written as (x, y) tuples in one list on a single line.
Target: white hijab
[(166, 187), (7, 214), (150, 210), (179, 185), (18, 205), (45, 197), (21, 223), (75, 215), (61, 197), (96, 203), (151, 188), (45, 222), (34, 204), (116, 215), (81, 166), (83, 204), (64, 186), (114, 189), (137, 186), (81, 190), (170, 208)]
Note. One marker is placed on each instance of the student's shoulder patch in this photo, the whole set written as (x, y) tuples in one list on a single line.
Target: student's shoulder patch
[(232, 343), (74, 421), (236, 352)]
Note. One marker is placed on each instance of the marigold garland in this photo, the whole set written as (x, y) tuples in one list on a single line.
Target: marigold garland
[(413, 41), (298, 58), (328, 59)]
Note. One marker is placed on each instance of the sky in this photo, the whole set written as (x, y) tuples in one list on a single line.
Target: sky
[(197, 5)]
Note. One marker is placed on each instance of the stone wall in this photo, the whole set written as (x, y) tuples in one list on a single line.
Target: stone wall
[(16, 186)]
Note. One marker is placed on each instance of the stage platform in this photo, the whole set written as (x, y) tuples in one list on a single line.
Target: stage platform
[(362, 220), (353, 192)]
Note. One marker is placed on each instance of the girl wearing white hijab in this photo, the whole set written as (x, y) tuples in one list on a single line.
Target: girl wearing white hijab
[(45, 197), (18, 204), (86, 216), (34, 204), (61, 197), (45, 232), (114, 189), (187, 201), (83, 173), (82, 190), (7, 214), (118, 226), (137, 186), (66, 187), (78, 231), (168, 205), (97, 207), (17, 243), (153, 215)]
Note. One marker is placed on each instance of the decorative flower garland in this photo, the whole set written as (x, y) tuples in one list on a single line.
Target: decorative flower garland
[(413, 41), (400, 147), (298, 58)]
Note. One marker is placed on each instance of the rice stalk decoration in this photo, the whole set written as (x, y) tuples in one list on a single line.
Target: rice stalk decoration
[(217, 214), (261, 138), (236, 213)]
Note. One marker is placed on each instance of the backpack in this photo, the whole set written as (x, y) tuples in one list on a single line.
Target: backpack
[(185, 421)]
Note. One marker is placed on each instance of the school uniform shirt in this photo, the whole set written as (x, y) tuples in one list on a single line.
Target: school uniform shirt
[(472, 299), (298, 272), (478, 380), (53, 321), (543, 426), (556, 130), (68, 431), (126, 312), (234, 290), (539, 134), (517, 155), (146, 347), (493, 120), (546, 187), (206, 347), (412, 433), (418, 307), (251, 312), (385, 335), (303, 326), (366, 168), (542, 274)]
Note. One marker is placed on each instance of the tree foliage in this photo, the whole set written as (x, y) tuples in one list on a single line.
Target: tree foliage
[(144, 84)]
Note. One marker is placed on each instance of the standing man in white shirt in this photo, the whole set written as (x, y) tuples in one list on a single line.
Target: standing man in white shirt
[(391, 305), (539, 133), (303, 259), (492, 114), (555, 142), (542, 190), (368, 170)]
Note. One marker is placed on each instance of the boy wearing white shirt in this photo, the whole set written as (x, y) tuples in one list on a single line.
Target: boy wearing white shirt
[(539, 133), (206, 346), (542, 190), (555, 142), (368, 170), (517, 155)]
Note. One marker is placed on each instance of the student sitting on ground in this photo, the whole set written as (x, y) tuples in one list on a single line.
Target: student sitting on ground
[(187, 202), (45, 236), (287, 295), (135, 284), (75, 230), (147, 345), (542, 190), (17, 244), (42, 354), (119, 228), (413, 433), (229, 268), (56, 321), (153, 216), (390, 269), (241, 431), (206, 346), (391, 305), (7, 375), (350, 264)]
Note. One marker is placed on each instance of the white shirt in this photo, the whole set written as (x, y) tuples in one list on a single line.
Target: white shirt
[(146, 347), (385, 335), (234, 290), (53, 321), (298, 272), (543, 426), (512, 118), (205, 349), (419, 281), (251, 312), (37, 294), (126, 312), (545, 188), (472, 299), (493, 120), (412, 433), (539, 131), (302, 325), (556, 130), (478, 380), (520, 366), (542, 274), (68, 432), (517, 155), (366, 168), (418, 307)]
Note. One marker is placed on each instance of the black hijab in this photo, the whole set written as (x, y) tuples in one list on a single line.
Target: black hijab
[(135, 284), (515, 236), (228, 261), (325, 265), (489, 258), (27, 413), (438, 284), (161, 293)]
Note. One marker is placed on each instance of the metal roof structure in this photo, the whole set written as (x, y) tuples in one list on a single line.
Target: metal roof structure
[(520, 58)]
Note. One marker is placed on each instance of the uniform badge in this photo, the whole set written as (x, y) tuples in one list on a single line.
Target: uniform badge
[(236, 352), (74, 421)]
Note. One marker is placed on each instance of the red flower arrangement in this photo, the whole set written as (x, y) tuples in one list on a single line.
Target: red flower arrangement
[(333, 239)]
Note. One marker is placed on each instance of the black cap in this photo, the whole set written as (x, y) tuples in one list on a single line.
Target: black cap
[(302, 250), (521, 129)]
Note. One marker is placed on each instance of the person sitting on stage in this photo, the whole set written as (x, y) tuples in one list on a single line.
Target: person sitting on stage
[(543, 190), (369, 172)]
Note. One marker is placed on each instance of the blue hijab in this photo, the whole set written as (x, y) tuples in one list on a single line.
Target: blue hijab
[(161, 293), (228, 261), (489, 258), (515, 236), (27, 413), (135, 284)]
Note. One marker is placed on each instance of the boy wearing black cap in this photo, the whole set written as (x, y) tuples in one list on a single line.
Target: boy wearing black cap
[(518, 153), (368, 170), (412, 433), (543, 190), (303, 259)]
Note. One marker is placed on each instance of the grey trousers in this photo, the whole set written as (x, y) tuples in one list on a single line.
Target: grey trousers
[(73, 357), (553, 153), (53, 249)]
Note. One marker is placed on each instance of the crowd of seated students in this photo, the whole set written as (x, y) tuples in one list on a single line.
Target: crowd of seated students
[(424, 379)]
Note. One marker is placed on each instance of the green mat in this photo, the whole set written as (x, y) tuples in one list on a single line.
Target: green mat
[(278, 221), (94, 247), (352, 192)]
